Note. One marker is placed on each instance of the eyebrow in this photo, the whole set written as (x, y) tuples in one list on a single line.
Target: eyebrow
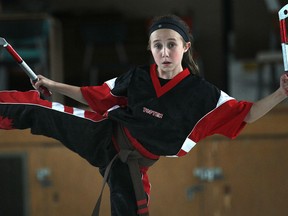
[(169, 39)]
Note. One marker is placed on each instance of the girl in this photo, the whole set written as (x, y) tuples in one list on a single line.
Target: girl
[(162, 109)]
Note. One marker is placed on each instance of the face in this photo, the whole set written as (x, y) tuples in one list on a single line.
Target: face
[(168, 47)]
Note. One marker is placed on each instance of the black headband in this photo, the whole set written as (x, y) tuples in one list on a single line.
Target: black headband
[(170, 23)]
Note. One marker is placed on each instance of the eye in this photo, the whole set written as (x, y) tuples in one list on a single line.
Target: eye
[(171, 45), (158, 46)]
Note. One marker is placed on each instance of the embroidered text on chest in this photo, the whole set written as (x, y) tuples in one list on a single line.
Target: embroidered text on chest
[(152, 113)]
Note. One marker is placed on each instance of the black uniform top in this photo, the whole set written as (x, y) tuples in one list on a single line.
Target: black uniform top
[(167, 119)]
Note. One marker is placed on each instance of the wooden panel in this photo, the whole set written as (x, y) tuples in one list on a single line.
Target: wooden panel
[(253, 165), (75, 184), (254, 176), (275, 122), (171, 178), (12, 138)]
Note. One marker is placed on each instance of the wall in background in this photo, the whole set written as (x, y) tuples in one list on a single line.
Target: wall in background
[(212, 21)]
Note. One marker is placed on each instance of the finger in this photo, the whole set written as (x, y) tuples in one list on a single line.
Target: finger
[(33, 84), (285, 76)]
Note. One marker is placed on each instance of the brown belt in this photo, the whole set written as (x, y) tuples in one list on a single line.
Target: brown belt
[(134, 159)]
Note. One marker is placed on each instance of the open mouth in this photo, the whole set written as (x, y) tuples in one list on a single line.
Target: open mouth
[(166, 63)]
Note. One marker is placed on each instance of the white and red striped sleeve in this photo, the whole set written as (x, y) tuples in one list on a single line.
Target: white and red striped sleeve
[(226, 119), (33, 98), (101, 99)]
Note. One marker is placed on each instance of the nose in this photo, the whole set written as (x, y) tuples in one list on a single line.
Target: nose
[(165, 52)]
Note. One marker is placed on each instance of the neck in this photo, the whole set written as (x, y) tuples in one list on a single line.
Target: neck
[(168, 74)]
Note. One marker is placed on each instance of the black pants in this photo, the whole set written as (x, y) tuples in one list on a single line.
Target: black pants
[(90, 139), (122, 196)]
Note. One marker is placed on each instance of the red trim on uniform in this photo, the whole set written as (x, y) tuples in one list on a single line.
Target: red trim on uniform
[(100, 98), (160, 90), (181, 153), (6, 123), (29, 97), (139, 147), (33, 98), (68, 109), (145, 181), (227, 120), (93, 116), (141, 202), (142, 211)]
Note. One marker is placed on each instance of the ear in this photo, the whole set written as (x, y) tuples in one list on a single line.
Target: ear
[(187, 46)]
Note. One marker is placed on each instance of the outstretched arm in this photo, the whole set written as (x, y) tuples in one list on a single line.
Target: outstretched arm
[(263, 106), (71, 91)]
